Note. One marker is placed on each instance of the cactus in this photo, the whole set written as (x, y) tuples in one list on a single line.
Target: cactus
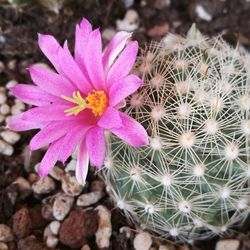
[(192, 180)]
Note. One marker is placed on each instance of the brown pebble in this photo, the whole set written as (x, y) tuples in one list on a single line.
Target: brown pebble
[(97, 185), (33, 177), (80, 225), (47, 212), (21, 224), (32, 243), (36, 217), (158, 30)]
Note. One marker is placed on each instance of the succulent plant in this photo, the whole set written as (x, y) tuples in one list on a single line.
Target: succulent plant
[(192, 180)]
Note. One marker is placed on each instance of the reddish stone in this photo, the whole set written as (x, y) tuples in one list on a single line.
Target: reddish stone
[(36, 217), (32, 243), (21, 224), (79, 226)]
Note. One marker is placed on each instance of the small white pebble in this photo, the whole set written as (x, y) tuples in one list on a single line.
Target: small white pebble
[(6, 148), (71, 166), (44, 186), (3, 246), (52, 241), (11, 84), (17, 109), (108, 33), (130, 21), (104, 230), (5, 233), (85, 247), (202, 13), (142, 241), (167, 247), (70, 185), (5, 109), (54, 227), (62, 205), (227, 245), (89, 199), (57, 173), (127, 231), (2, 118), (10, 136), (3, 98)]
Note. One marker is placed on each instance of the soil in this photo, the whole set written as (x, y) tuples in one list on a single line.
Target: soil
[(19, 27)]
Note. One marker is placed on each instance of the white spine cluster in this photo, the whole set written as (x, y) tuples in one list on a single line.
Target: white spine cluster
[(194, 176)]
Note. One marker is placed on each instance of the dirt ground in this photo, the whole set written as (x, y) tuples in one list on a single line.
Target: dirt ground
[(19, 27)]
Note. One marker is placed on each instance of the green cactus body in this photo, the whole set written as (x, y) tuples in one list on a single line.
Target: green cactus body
[(192, 180)]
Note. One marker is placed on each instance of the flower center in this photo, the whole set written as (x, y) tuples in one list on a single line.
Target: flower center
[(97, 101)]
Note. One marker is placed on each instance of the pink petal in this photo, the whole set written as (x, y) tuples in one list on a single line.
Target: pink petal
[(50, 47), (71, 140), (51, 82), (114, 48), (33, 95), (50, 133), (51, 112), (82, 163), (17, 123), (94, 59), (110, 119), (72, 71), (132, 131), (50, 158), (95, 142), (81, 39), (122, 88), (124, 63)]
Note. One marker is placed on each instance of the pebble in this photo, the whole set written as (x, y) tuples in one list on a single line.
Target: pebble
[(56, 173), (70, 185), (85, 247), (17, 108), (52, 241), (130, 21), (128, 3), (31, 243), (127, 231), (227, 245), (158, 30), (54, 227), (21, 225), (77, 227), (10, 136), (167, 247), (5, 109), (202, 13), (104, 230), (108, 34), (38, 222), (11, 84), (142, 241), (97, 185), (89, 199), (44, 186), (3, 98), (47, 212), (2, 118), (6, 148), (3, 246), (71, 166), (62, 205), (5, 233), (24, 187)]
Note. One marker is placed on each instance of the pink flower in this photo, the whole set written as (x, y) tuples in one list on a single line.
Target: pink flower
[(79, 102)]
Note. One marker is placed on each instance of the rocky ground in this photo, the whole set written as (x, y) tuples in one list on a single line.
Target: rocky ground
[(56, 212)]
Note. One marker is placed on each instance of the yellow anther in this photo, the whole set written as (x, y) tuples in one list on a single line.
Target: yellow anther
[(97, 101), (77, 99)]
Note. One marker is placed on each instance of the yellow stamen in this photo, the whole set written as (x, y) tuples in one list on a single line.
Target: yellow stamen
[(97, 101), (77, 99)]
